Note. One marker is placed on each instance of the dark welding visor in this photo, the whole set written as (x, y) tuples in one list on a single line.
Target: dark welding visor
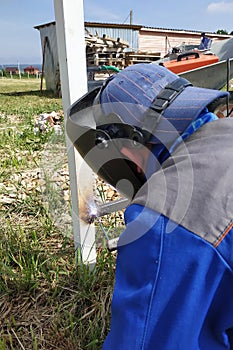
[(100, 145), (99, 137)]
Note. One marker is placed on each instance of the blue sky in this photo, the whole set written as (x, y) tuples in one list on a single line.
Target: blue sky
[(20, 42)]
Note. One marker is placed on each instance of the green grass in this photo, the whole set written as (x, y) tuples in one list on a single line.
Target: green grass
[(47, 301)]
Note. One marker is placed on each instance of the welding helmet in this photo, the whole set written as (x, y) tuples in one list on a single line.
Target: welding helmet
[(142, 104)]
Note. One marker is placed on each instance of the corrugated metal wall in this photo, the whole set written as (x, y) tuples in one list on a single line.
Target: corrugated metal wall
[(130, 35), (51, 64)]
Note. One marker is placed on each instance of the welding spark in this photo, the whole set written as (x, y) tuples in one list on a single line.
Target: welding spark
[(92, 211), (93, 214)]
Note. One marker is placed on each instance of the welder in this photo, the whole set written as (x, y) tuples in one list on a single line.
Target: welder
[(157, 140)]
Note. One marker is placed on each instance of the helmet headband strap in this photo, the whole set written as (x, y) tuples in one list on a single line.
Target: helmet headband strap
[(166, 96)]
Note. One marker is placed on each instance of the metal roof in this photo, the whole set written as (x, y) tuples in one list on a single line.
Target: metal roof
[(98, 24), (137, 27)]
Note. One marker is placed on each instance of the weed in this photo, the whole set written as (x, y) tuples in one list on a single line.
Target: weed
[(47, 300)]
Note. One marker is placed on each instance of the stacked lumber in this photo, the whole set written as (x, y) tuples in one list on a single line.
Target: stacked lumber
[(108, 51), (140, 57), (105, 51)]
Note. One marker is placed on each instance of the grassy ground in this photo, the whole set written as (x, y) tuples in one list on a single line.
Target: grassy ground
[(47, 301)]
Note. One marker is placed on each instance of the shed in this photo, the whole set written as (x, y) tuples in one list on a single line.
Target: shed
[(144, 44), (50, 64)]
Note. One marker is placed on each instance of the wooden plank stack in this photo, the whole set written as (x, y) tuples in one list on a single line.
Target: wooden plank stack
[(113, 52), (105, 51), (140, 57)]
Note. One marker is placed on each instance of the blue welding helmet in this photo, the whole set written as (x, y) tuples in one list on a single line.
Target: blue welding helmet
[(143, 104)]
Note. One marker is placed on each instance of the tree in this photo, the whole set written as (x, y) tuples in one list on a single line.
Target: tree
[(221, 31)]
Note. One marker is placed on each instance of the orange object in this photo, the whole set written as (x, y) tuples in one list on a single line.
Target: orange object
[(188, 61)]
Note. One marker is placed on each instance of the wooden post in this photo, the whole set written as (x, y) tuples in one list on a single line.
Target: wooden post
[(73, 72), (43, 62)]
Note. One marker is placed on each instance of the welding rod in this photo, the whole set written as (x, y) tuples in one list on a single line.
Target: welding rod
[(111, 243), (104, 209), (110, 207)]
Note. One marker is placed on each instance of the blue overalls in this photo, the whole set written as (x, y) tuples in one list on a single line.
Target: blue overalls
[(174, 275)]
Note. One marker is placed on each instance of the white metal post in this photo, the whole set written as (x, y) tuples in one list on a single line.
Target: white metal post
[(73, 72)]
